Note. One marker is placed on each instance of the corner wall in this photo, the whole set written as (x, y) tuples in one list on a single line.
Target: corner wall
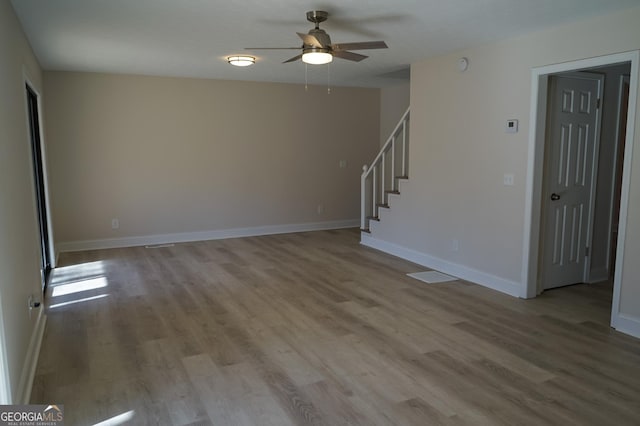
[(19, 245), (460, 152)]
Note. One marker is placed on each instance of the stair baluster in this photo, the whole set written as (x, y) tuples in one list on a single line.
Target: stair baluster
[(371, 181)]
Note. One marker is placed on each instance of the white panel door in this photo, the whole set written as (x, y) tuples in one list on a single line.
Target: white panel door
[(572, 141)]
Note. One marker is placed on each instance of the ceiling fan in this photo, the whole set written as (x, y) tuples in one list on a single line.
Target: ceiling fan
[(317, 48)]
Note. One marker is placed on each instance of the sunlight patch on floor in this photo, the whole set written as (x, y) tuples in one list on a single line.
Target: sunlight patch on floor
[(120, 419), (73, 302), (78, 283), (82, 271), (79, 286)]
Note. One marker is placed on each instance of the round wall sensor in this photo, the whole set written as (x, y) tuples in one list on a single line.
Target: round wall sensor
[(463, 64)]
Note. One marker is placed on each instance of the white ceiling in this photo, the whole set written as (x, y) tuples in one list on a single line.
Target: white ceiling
[(191, 38)]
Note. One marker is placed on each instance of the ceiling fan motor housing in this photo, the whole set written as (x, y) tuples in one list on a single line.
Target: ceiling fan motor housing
[(321, 36)]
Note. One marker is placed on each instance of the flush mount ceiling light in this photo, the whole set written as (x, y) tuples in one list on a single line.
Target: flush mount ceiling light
[(316, 56), (241, 61)]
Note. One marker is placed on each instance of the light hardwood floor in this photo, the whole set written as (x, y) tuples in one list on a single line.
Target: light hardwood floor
[(313, 328)]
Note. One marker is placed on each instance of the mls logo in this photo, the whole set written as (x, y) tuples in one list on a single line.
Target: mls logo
[(32, 415)]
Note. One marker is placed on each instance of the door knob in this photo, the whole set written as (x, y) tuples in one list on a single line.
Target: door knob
[(555, 197)]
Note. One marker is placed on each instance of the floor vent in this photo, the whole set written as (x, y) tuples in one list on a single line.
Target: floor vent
[(432, 277), (160, 246)]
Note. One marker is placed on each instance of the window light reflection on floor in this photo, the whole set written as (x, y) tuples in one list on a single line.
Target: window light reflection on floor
[(73, 302), (78, 283), (120, 419), (66, 274), (79, 286)]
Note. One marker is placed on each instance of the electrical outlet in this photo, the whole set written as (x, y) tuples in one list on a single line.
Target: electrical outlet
[(509, 179), (343, 164), (455, 245), (115, 223), (320, 208), (32, 303)]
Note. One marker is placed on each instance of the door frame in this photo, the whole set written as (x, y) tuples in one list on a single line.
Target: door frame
[(5, 385), (535, 168), (45, 173), (594, 162), (616, 164)]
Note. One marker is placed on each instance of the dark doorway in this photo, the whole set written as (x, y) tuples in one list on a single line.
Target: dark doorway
[(39, 180)]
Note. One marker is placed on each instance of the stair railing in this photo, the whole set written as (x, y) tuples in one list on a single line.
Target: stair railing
[(375, 182)]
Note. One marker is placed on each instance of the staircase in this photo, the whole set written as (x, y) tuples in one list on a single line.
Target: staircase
[(381, 178)]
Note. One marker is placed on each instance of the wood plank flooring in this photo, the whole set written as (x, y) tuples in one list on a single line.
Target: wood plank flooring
[(314, 329)]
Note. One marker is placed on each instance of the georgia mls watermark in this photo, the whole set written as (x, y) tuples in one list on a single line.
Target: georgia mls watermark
[(32, 415)]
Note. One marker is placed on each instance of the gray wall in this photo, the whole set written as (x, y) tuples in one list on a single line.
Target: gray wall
[(459, 153), (394, 101), (19, 244), (178, 155)]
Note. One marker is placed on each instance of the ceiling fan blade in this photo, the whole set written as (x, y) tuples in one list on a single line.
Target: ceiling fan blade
[(360, 45), (349, 56), (295, 58), (310, 40), (271, 48)]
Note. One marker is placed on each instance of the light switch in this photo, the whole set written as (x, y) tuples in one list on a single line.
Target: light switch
[(343, 164), (512, 126)]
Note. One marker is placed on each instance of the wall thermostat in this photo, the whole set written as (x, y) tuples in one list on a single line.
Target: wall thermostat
[(512, 126)]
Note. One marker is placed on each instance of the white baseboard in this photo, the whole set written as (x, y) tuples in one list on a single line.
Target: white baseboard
[(107, 243), (627, 324), (31, 362), (511, 288), (598, 275)]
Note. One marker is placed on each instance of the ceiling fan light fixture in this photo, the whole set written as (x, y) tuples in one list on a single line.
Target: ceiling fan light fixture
[(317, 48), (316, 56), (241, 61)]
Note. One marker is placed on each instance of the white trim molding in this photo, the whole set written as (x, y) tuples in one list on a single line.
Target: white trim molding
[(626, 324), (475, 276), (43, 154), (185, 237), (5, 382), (31, 362)]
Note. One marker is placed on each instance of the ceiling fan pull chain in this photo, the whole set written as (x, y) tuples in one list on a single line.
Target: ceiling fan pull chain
[(328, 79), (306, 87)]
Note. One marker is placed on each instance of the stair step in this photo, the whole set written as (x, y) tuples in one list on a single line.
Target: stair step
[(365, 230), (385, 205), (402, 177), (392, 191), (376, 218)]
